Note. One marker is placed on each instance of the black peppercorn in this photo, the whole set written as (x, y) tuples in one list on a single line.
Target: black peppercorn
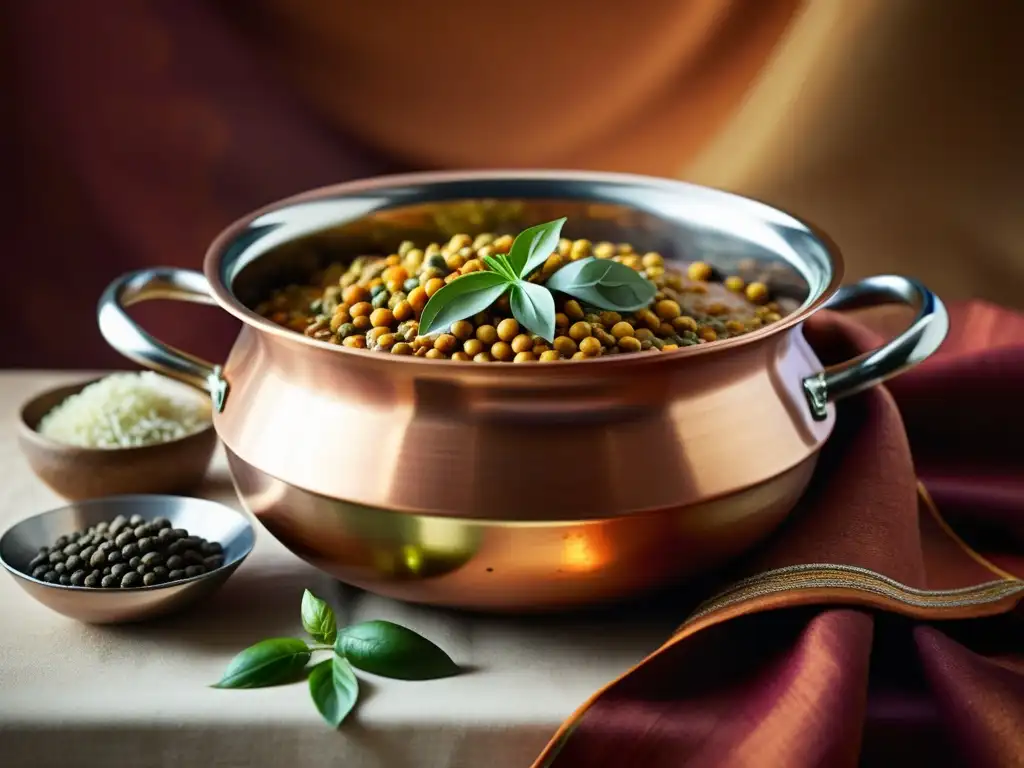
[(152, 559), (119, 570), (192, 557), (40, 559), (127, 552)]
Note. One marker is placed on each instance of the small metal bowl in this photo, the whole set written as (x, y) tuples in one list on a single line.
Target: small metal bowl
[(75, 472), (213, 521)]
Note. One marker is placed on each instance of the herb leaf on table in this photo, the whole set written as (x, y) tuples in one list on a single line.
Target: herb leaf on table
[(269, 662), (318, 619), (334, 689), (390, 650), (380, 647)]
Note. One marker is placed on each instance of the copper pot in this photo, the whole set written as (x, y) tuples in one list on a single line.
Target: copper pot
[(520, 486)]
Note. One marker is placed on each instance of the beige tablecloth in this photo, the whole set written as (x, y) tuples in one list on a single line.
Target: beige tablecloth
[(74, 695)]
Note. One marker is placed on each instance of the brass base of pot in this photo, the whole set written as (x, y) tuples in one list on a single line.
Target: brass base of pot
[(514, 566)]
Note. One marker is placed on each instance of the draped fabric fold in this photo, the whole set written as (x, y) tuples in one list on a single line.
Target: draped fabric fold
[(875, 627)]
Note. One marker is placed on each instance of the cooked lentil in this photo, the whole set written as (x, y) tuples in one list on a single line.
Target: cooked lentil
[(376, 301), (106, 555)]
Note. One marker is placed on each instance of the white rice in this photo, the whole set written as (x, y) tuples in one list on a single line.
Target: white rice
[(127, 410)]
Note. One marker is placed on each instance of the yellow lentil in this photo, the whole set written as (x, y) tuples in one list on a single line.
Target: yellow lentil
[(565, 346), (522, 343), (699, 271), (621, 330), (590, 347), (488, 334), (508, 329), (579, 330)]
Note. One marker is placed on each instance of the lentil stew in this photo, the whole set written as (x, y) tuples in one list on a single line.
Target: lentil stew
[(375, 303)]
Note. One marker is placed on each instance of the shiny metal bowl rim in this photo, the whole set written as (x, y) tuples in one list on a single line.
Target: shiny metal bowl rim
[(141, 499), (227, 301), (33, 433)]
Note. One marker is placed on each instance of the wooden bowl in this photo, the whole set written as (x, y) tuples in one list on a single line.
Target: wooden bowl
[(74, 472)]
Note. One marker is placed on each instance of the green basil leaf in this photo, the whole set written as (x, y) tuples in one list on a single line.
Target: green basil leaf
[(534, 307), (603, 284), (532, 246), (269, 662), (334, 689), (499, 266), (462, 298), (391, 650), (318, 619)]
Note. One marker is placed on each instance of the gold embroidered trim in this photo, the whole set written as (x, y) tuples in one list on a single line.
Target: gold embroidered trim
[(854, 578)]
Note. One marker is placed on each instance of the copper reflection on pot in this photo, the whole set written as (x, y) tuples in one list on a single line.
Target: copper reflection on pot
[(514, 565)]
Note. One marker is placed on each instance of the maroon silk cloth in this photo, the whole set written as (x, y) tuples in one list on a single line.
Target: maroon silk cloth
[(132, 138), (852, 670)]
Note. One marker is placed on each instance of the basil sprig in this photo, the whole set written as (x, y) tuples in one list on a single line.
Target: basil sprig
[(598, 283), (379, 647)]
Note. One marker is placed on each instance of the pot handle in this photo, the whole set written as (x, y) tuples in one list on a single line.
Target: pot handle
[(918, 342), (125, 335)]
